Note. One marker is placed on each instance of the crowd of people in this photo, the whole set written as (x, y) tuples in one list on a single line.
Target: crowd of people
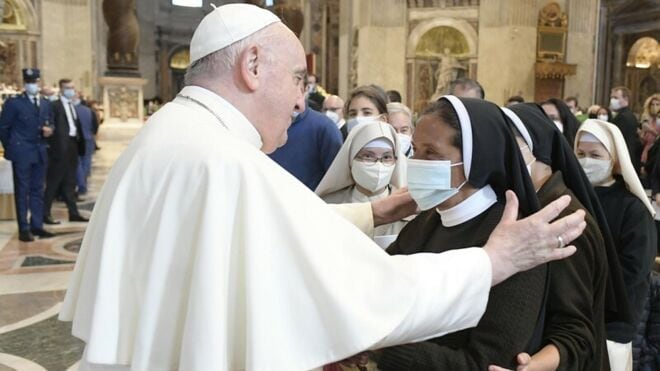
[(49, 139), (457, 158), (255, 242)]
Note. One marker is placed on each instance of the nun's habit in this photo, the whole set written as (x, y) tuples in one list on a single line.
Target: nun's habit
[(586, 290), (338, 185), (630, 218), (492, 164), (570, 123)]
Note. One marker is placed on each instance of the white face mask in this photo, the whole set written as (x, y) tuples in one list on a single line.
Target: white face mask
[(373, 177), (598, 171), (615, 104), (359, 120), (332, 115), (405, 141), (603, 117), (429, 182), (559, 125)]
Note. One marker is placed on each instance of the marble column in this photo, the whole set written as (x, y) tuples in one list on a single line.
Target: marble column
[(581, 49)]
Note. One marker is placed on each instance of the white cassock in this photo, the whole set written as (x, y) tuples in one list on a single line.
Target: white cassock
[(203, 254)]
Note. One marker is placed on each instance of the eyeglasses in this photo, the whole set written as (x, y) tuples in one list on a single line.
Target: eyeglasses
[(387, 160)]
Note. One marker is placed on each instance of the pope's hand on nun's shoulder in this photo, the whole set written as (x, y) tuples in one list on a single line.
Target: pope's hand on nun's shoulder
[(518, 245), (394, 207)]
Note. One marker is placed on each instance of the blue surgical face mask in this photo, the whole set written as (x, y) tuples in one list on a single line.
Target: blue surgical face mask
[(429, 182), (68, 93), (32, 88)]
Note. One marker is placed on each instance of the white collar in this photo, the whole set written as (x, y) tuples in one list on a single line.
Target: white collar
[(64, 99), (469, 208), (234, 120)]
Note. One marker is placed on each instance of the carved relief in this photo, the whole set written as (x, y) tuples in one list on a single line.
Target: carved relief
[(8, 71), (353, 74), (552, 16), (123, 102), (123, 35)]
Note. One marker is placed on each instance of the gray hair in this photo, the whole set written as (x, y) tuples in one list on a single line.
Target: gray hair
[(221, 62), (467, 84), (394, 107)]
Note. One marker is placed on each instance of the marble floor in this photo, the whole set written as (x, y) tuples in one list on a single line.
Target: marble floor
[(34, 276)]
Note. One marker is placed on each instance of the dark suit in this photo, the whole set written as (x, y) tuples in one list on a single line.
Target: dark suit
[(626, 122), (90, 125), (63, 152), (21, 125)]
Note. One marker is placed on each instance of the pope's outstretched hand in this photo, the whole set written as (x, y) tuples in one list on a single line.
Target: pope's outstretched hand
[(519, 245)]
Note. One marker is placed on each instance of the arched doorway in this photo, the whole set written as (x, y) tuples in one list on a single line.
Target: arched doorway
[(439, 51), (642, 70), (178, 63)]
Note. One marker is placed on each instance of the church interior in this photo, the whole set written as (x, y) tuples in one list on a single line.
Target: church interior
[(127, 58)]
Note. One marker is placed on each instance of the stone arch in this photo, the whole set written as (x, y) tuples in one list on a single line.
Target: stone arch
[(26, 16), (179, 57), (644, 53), (462, 26)]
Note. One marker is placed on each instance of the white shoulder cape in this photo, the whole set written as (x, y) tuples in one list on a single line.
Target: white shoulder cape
[(203, 254)]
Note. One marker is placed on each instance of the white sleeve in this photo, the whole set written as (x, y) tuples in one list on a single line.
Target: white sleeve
[(451, 294), (359, 214)]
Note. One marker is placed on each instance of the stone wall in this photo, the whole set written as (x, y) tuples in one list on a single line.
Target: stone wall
[(581, 49), (66, 43), (377, 55)]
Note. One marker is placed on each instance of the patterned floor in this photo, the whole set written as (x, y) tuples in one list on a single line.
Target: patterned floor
[(34, 276)]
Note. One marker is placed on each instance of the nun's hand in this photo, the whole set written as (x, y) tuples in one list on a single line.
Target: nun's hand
[(518, 245), (394, 207)]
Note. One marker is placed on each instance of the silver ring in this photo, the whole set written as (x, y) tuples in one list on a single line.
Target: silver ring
[(560, 242)]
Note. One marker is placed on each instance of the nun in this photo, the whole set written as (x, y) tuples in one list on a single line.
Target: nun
[(368, 167), (585, 291), (603, 154), (463, 163), (562, 117)]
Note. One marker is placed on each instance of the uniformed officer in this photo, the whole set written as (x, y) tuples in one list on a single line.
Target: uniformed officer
[(24, 125)]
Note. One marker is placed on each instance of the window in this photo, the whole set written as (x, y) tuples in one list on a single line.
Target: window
[(188, 3)]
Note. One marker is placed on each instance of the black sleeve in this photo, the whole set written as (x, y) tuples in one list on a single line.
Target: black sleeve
[(654, 175), (570, 303), (637, 254), (95, 123), (504, 331)]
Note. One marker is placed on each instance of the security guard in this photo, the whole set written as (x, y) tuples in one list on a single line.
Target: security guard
[(24, 125)]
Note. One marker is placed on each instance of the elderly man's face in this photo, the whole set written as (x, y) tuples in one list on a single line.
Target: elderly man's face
[(401, 122), (284, 83), (335, 104)]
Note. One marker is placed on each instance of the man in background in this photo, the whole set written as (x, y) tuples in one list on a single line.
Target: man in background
[(626, 121), (466, 88), (24, 125), (66, 145)]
